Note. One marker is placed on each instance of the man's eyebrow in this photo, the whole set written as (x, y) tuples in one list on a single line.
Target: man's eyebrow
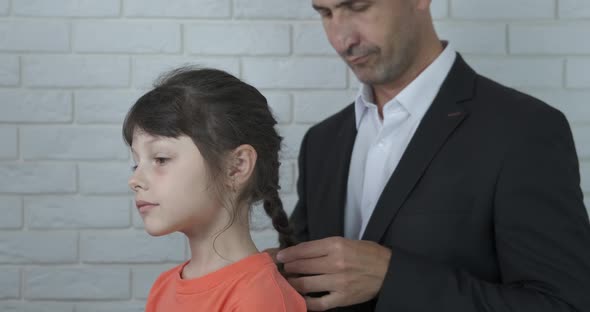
[(318, 8), (345, 3)]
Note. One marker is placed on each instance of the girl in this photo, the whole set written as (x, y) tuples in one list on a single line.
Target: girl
[(206, 150)]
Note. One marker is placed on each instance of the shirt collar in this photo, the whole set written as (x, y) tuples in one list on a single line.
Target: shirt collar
[(417, 96)]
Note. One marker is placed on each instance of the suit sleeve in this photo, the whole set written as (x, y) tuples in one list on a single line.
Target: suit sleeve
[(298, 218), (542, 238)]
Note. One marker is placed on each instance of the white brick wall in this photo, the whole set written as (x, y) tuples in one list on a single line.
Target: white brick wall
[(66, 8), (9, 70), (34, 36), (32, 106), (70, 239)]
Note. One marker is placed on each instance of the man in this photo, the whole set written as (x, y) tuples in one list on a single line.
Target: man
[(437, 189)]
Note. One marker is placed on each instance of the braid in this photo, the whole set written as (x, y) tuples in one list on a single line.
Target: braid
[(273, 206)]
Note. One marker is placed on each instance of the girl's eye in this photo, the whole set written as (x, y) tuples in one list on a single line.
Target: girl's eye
[(133, 168), (161, 160)]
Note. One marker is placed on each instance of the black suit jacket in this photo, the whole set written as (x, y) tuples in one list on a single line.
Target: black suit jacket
[(483, 213)]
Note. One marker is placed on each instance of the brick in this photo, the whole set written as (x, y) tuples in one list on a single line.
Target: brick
[(4, 6), (289, 202), (9, 283), (127, 37), (9, 147), (144, 277), (266, 239), (286, 180), (111, 307), (292, 139), (75, 71), (146, 70), (66, 8), (278, 9), (178, 8), (521, 72), (30, 178), (439, 9), (38, 36), (105, 178), (104, 106), (312, 107), (582, 139), (64, 143), (11, 210), (577, 73), (77, 283), (310, 73), (280, 105), (573, 103), (585, 176), (238, 38), (130, 247), (9, 70), (562, 38), (259, 220), (468, 37), (310, 39), (574, 9), (24, 306), (59, 212), (35, 106), (38, 247), (503, 9)]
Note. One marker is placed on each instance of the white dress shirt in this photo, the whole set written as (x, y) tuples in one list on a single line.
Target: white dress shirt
[(380, 143)]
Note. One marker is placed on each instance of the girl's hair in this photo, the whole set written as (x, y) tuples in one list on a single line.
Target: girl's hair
[(218, 112)]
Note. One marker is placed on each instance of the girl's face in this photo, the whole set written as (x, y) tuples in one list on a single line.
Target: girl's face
[(173, 191)]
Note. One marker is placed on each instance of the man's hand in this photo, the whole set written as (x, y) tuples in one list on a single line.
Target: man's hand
[(352, 271)]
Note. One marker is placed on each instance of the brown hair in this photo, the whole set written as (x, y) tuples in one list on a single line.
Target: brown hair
[(218, 112)]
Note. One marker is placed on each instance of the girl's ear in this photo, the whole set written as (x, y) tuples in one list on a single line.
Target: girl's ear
[(242, 161)]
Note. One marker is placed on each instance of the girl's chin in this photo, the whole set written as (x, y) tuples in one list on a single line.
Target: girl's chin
[(156, 229)]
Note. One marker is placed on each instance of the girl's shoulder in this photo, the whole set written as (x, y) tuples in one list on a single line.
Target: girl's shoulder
[(267, 290)]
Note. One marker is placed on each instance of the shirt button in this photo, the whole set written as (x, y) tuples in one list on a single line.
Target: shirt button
[(381, 144)]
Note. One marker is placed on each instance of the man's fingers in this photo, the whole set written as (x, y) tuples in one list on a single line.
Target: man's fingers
[(319, 265), (273, 253), (323, 303), (311, 249), (311, 284)]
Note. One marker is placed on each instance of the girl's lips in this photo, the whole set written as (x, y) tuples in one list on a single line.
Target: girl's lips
[(144, 206)]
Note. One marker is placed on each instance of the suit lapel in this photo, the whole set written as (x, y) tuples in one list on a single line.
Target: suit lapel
[(439, 122), (329, 220)]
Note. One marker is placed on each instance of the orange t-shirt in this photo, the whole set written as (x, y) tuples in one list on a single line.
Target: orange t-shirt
[(251, 284)]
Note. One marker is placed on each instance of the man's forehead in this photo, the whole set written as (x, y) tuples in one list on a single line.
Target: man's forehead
[(331, 4)]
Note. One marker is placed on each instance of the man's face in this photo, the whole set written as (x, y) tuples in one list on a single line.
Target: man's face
[(376, 38)]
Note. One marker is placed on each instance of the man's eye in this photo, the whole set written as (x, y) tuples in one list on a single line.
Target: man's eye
[(325, 13), (359, 7)]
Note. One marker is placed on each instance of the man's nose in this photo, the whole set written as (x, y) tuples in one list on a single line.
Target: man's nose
[(342, 34)]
